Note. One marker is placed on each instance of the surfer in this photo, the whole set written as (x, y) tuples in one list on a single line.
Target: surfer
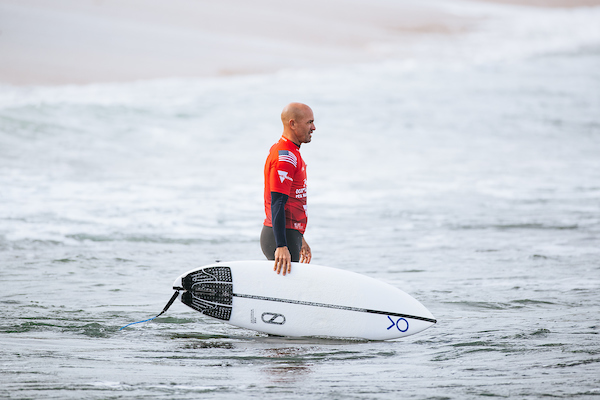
[(282, 236)]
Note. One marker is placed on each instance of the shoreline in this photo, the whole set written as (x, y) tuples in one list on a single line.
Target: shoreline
[(80, 42)]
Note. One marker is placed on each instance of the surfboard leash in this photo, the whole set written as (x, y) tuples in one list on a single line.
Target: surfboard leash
[(161, 313)]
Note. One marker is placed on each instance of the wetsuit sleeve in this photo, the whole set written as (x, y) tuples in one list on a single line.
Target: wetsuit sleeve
[(278, 201)]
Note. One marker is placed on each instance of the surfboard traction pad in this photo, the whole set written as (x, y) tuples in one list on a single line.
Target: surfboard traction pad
[(209, 291)]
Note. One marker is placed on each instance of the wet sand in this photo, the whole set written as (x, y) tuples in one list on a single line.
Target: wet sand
[(549, 3), (76, 42)]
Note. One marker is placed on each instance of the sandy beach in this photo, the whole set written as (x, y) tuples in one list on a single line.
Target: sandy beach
[(549, 3), (77, 42)]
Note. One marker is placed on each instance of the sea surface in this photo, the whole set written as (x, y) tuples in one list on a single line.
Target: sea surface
[(467, 174)]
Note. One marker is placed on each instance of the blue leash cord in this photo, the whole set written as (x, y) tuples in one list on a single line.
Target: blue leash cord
[(161, 313), (139, 322)]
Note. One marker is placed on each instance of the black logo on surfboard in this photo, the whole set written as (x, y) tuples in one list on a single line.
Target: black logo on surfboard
[(273, 318)]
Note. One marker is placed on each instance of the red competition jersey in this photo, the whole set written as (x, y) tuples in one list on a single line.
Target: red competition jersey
[(285, 172)]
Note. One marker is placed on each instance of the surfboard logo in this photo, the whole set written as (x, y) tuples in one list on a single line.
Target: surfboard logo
[(273, 318), (397, 324)]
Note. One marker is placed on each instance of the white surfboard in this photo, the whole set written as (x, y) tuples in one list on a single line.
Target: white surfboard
[(312, 300)]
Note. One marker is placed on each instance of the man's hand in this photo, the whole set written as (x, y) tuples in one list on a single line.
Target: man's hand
[(305, 253), (283, 260)]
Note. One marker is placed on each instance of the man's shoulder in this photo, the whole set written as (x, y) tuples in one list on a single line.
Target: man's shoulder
[(284, 144), (284, 151)]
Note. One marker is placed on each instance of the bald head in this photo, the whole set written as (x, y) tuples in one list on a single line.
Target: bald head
[(298, 123), (293, 111)]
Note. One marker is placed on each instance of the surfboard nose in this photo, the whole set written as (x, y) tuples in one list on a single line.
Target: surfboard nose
[(424, 313)]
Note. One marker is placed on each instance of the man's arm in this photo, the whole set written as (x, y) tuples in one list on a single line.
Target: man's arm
[(283, 258)]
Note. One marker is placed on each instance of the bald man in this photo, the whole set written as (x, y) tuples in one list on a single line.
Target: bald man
[(282, 237)]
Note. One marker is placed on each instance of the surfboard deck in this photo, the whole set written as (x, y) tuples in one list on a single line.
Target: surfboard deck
[(312, 300)]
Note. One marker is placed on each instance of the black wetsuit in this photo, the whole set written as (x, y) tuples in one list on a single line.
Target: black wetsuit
[(268, 245)]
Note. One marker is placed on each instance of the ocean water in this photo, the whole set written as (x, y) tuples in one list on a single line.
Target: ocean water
[(467, 174)]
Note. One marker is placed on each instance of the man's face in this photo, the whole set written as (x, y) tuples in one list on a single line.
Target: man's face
[(305, 126)]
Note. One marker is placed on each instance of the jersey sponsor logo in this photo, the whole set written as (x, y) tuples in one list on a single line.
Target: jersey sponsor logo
[(288, 156), (301, 193), (283, 175)]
